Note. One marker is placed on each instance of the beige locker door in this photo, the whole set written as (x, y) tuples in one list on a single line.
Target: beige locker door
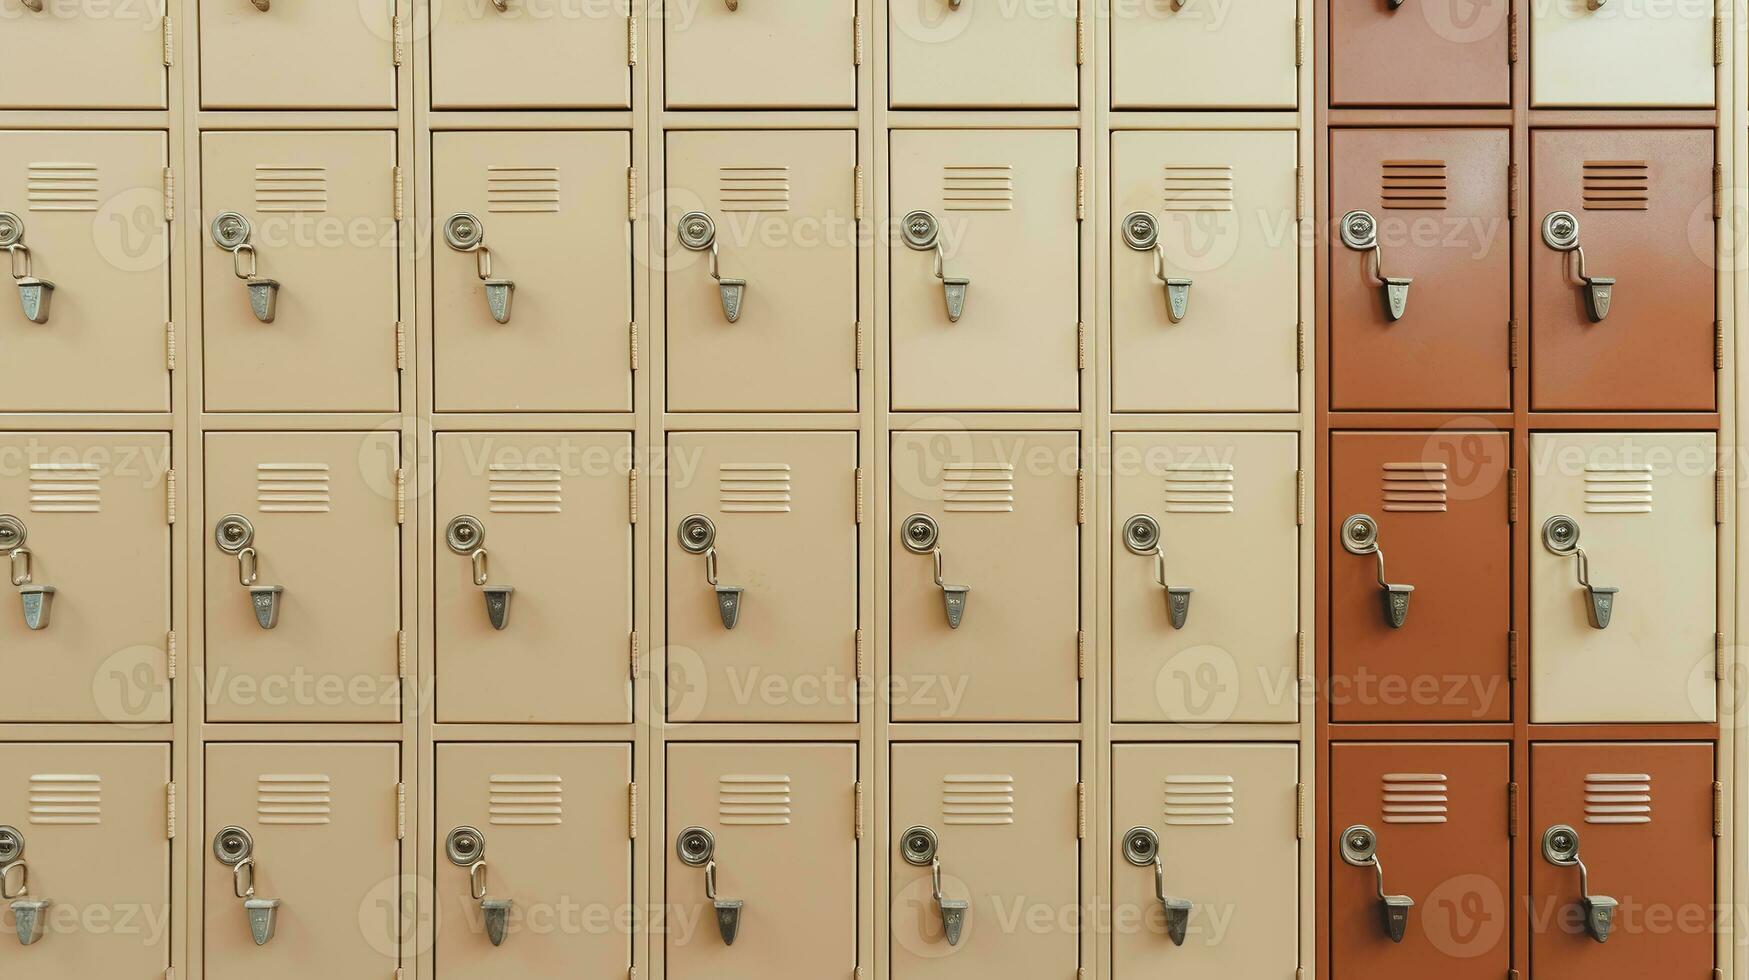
[(1223, 819), (557, 846), (555, 510), (783, 822), (783, 505), (1644, 506), (322, 817), (1223, 507), (47, 56), (92, 210), (1004, 210), (108, 917), (1632, 54), (1004, 816), (321, 206), (322, 505), (95, 520), (775, 54), (783, 205), (289, 55), (1164, 57), (552, 208), (1220, 213), (530, 54), (983, 54), (1004, 505)]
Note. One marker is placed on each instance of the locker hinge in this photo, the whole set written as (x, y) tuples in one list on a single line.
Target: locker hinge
[(1512, 655), (401, 654), (1718, 190), (1081, 654), (169, 42), (1512, 809), (401, 495), (857, 828), (1718, 497), (169, 194), (632, 811), (1302, 654), (400, 193), (1299, 811), (859, 495), (861, 657), (1718, 808), (632, 332), (1080, 34), (170, 496), (1081, 345), (856, 40), (400, 811), (631, 973), (1299, 498), (169, 811), (400, 40), (632, 502), (170, 973), (1299, 973), (859, 345), (1080, 193), (632, 654), (1512, 344), (1512, 974), (1718, 40), (1300, 346), (1718, 345), (632, 194), (1512, 190), (1080, 811), (1512, 37), (169, 345), (1081, 496), (1299, 42), (632, 38), (400, 345), (1512, 495), (170, 653), (856, 190), (400, 973), (1299, 193), (1720, 667)]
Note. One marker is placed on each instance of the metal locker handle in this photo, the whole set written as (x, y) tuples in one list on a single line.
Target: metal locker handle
[(1141, 847), (697, 848), (1561, 849), (466, 233), (1360, 536), (466, 848), (921, 848), (922, 536), (262, 5), (1561, 536), (231, 231), (29, 915), (36, 6), (1141, 232), (1360, 232), (698, 233), (236, 536), (466, 536), (34, 294), (234, 848), (922, 231), (698, 536), (1360, 849), (1561, 233), (1141, 535), (38, 600)]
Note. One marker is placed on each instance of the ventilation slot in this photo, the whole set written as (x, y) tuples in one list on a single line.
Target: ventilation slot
[(1618, 797), (62, 187), (527, 489), (1199, 488), (1191, 188), (1617, 185), (753, 189), (294, 800), (1623, 489), (526, 801), (973, 488), (1199, 801), (292, 488), (291, 189), (1415, 797), (522, 190), (754, 488), (1413, 185), (977, 188), (977, 800), (753, 801), (65, 488), (1415, 488), (66, 800)]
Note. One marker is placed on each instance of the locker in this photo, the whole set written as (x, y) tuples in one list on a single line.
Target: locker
[(761, 861), (1425, 825), (302, 862), (1420, 576), (762, 576), (1632, 514), (84, 216), (258, 54), (1380, 52), (1205, 884), (532, 272), (774, 54), (1420, 270), (950, 54), (533, 565), (526, 54), (984, 270), (762, 271), (1205, 297), (1205, 573), (1165, 53), (1621, 273), (299, 270), (84, 519), (50, 46), (985, 604), (303, 580), (1656, 54), (60, 805), (996, 824), (534, 860)]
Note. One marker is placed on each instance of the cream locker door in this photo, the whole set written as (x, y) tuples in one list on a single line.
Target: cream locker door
[(984, 54), (778, 514), (550, 821), (319, 510), (47, 55), (71, 803), (779, 821), (1000, 211), (1003, 817), (1643, 504), (1003, 506), (1632, 54), (776, 54), (1164, 56), (92, 511), (1213, 214), (551, 208), (290, 55), (91, 211), (1222, 821), (320, 206), (320, 818), (1221, 508), (784, 212), (531, 54)]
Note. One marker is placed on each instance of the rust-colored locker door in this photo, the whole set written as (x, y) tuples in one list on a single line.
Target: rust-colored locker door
[(89, 207), (950, 54), (985, 576), (1166, 53), (1621, 270), (314, 516), (775, 825), (49, 50), (97, 850), (318, 823), (762, 576), (1641, 815), (762, 226), (1436, 815), (551, 824), (1431, 509), (547, 517), (1221, 819), (775, 54), (1002, 820), (256, 54), (86, 631), (546, 213), (1380, 53), (530, 54), (1427, 205)]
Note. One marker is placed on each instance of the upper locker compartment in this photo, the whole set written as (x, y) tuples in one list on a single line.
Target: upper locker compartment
[(1164, 53), (1205, 573), (533, 558), (762, 54), (532, 272), (1609, 53), (1623, 577), (985, 270), (1420, 269), (300, 277), (86, 330), (762, 271), (1381, 50), (526, 54), (262, 54), (49, 48), (948, 54), (1622, 305), (1205, 292)]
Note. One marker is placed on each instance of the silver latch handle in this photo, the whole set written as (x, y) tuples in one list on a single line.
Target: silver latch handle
[(235, 536), (922, 232), (466, 848), (1141, 232), (698, 536), (921, 535), (37, 600), (1561, 848), (235, 848), (1360, 536), (1561, 233), (231, 231), (698, 233), (465, 232), (1141, 847), (1142, 536), (1359, 847), (697, 848), (34, 294), (29, 915), (1561, 537), (921, 848), (1360, 231), (466, 536)]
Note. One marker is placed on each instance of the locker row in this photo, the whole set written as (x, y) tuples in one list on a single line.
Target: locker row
[(300, 546)]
